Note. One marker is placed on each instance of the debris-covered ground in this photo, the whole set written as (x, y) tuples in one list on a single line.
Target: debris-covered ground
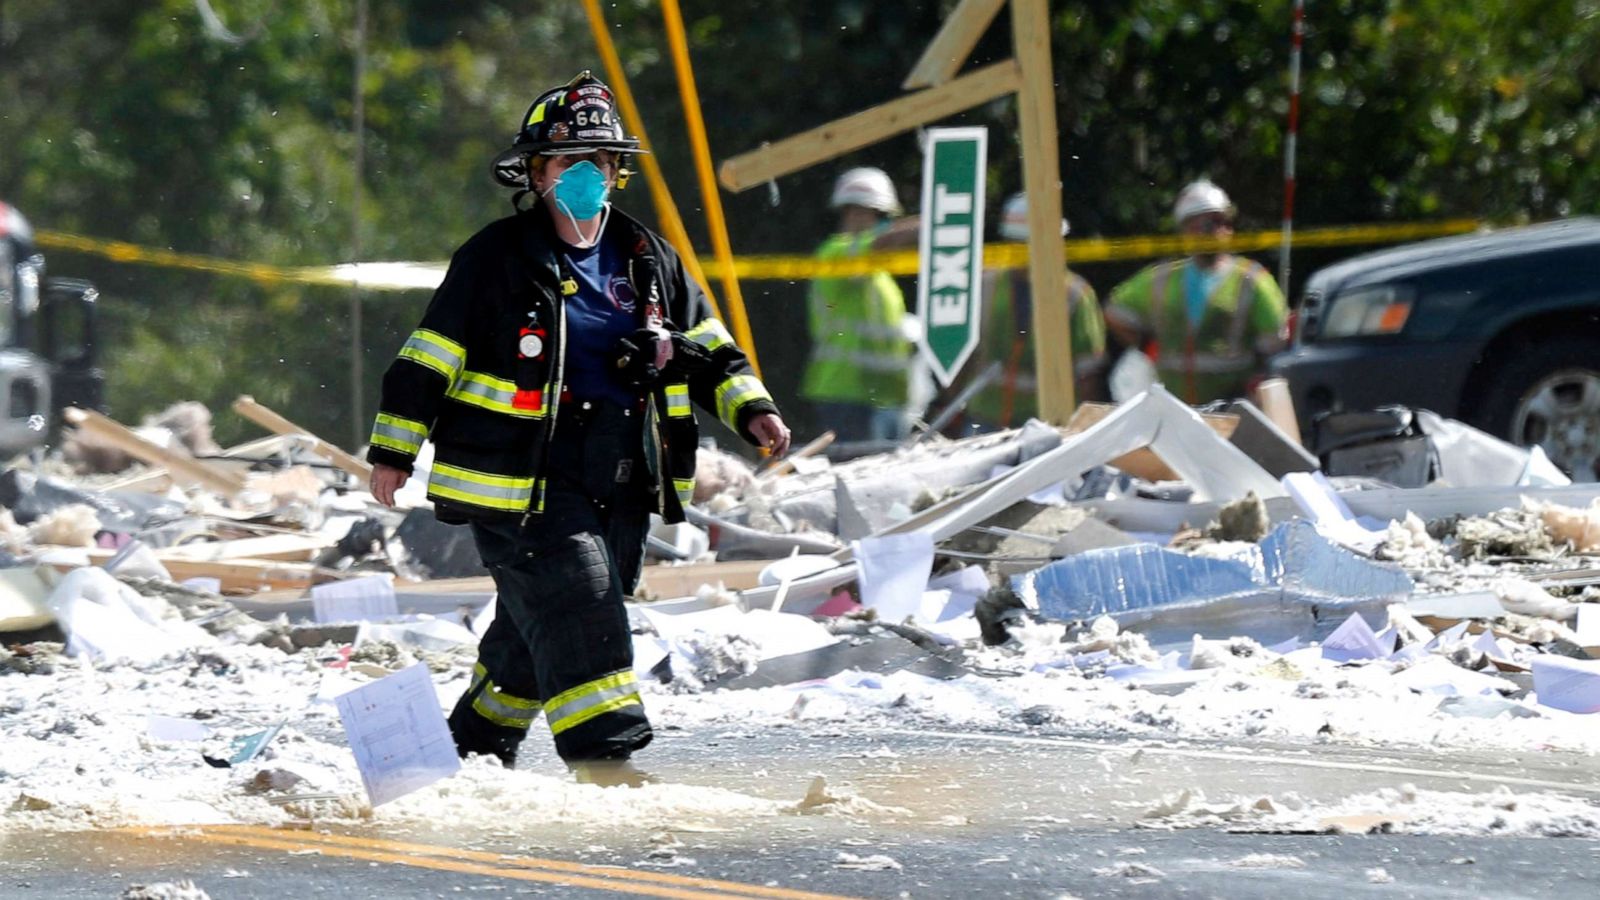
[(172, 654)]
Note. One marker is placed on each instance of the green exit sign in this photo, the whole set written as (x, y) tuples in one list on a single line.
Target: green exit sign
[(949, 292)]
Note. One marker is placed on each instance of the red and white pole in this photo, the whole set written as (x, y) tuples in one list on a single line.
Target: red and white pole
[(1289, 145)]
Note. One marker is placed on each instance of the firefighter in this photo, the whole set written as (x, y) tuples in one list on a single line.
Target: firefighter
[(1208, 321), (554, 371), (859, 375), (1007, 338)]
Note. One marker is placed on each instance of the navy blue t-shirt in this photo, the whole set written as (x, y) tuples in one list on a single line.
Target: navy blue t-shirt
[(603, 310)]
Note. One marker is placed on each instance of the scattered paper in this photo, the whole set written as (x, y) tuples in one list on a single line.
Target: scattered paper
[(1569, 684), (1588, 625), (894, 571), (355, 599), (172, 728), (398, 734), (1327, 510), (1355, 640)]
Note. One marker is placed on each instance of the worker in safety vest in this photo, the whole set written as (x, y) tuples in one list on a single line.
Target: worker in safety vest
[(858, 378), (1006, 337), (1208, 321)]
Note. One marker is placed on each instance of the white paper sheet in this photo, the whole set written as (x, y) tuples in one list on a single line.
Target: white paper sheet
[(1355, 640), (1569, 684), (1589, 625), (894, 572), (1327, 510), (171, 728), (355, 600), (397, 731)]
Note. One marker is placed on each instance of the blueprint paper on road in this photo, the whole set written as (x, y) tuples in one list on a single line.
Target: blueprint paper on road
[(398, 734), (355, 600)]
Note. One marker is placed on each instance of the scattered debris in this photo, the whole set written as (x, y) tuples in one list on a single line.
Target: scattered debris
[(1048, 590)]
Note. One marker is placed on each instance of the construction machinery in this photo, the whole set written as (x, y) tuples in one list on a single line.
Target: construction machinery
[(48, 353)]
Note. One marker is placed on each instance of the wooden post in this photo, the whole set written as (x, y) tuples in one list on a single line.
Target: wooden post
[(666, 211), (1041, 179), (247, 406), (949, 49), (738, 320), (869, 126), (180, 468)]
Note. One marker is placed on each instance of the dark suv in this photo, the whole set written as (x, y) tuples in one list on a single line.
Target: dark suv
[(1500, 330)]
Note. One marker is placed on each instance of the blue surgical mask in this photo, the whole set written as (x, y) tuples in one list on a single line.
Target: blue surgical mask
[(582, 190)]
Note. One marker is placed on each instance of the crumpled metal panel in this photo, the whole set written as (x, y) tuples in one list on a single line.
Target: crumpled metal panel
[(1293, 565)]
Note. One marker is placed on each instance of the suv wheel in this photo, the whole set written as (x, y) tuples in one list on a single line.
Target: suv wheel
[(1550, 397)]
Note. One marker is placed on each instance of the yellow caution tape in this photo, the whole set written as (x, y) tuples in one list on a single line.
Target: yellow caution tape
[(423, 276), (1087, 250)]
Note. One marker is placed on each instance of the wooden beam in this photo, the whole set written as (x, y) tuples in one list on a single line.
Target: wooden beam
[(157, 480), (670, 582), (950, 48), (786, 465), (1041, 179), (870, 126), (238, 576), (247, 406), (290, 547), (183, 469)]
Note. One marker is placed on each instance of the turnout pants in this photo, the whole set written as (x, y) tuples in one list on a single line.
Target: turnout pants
[(560, 641)]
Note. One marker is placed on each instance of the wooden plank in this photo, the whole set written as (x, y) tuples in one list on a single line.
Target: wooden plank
[(786, 465), (247, 406), (869, 126), (684, 581), (184, 469), (1277, 404), (949, 49), (292, 547), (661, 581), (1041, 180), (1143, 463), (238, 576), (156, 480)]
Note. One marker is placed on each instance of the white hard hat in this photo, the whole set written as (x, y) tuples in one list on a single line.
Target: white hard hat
[(12, 224), (1201, 197), (867, 187), (1014, 219)]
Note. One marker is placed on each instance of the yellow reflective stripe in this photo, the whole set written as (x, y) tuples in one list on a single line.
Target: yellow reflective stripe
[(435, 351), (593, 712), (685, 489), (709, 334), (500, 707), (538, 114), (735, 393), (573, 707), (395, 433), (481, 673), (496, 394), (678, 401), (480, 488)]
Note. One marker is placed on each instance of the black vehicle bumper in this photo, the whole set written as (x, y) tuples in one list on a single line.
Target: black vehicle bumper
[(1352, 376)]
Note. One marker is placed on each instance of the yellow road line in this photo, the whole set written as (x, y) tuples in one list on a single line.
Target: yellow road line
[(476, 862), (802, 268)]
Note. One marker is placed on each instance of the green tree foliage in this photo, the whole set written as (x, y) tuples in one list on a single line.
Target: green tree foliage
[(223, 127)]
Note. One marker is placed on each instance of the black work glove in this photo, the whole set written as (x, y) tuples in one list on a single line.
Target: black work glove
[(640, 357), (688, 358)]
